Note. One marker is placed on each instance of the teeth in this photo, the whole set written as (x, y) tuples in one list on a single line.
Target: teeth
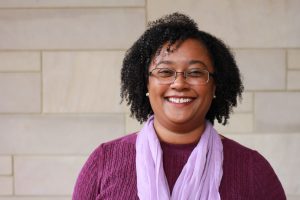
[(179, 100)]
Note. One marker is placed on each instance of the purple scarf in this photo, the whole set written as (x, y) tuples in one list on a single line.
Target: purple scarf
[(199, 179)]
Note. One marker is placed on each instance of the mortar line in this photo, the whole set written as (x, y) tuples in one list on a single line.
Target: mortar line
[(253, 111), (13, 175), (42, 86), (72, 7), (64, 49), (146, 13), (286, 69)]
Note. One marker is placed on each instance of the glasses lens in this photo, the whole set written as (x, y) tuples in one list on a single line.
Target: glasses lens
[(164, 75), (197, 76)]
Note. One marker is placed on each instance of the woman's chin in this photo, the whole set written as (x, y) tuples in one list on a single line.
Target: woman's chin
[(179, 119)]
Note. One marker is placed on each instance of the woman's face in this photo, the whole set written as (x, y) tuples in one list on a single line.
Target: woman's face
[(179, 106)]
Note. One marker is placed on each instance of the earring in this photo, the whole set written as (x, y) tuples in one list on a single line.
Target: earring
[(215, 96), (147, 94)]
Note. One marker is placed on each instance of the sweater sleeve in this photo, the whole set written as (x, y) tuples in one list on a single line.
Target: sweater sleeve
[(266, 183), (87, 184)]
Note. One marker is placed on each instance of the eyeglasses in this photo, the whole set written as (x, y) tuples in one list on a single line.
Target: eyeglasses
[(194, 76)]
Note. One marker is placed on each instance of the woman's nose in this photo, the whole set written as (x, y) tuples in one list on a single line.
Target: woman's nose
[(179, 81)]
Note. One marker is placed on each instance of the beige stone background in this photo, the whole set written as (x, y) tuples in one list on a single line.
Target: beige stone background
[(59, 83)]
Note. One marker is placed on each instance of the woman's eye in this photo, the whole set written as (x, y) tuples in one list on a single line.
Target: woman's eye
[(165, 73), (196, 73)]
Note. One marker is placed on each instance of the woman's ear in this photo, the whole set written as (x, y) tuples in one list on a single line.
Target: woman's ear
[(214, 91), (147, 93)]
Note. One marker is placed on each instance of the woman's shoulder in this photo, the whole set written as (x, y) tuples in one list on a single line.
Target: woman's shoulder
[(106, 158), (235, 147), (238, 152), (252, 170), (112, 149), (124, 141), (119, 146)]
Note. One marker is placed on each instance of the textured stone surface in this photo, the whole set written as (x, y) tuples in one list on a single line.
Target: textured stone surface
[(5, 165), (293, 79), (70, 28), (82, 81), (238, 123), (282, 151), (57, 134), (294, 59), (240, 23), (292, 26), (132, 125), (46, 175), (20, 92), (246, 105), (262, 69), (68, 3), (277, 112), (20, 61), (6, 185), (293, 197)]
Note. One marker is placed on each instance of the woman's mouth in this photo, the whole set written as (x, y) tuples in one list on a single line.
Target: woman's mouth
[(179, 100)]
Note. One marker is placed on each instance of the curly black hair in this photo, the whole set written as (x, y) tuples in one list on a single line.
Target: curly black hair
[(172, 29)]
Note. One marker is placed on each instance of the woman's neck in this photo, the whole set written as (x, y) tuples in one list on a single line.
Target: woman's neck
[(175, 137)]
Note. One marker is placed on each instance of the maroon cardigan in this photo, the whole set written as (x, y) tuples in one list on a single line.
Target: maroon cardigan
[(109, 173)]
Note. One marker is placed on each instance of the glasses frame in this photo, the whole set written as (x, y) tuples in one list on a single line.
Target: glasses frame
[(185, 75)]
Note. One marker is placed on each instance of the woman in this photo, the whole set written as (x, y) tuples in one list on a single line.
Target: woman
[(178, 80)]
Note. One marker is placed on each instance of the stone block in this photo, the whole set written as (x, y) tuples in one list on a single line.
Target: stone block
[(262, 69), (6, 185), (20, 92), (57, 134), (293, 197), (292, 9), (293, 58), (132, 125), (5, 165), (70, 3), (20, 61), (41, 175), (82, 82), (246, 105), (240, 23), (277, 112), (238, 123), (293, 80), (70, 28), (281, 150)]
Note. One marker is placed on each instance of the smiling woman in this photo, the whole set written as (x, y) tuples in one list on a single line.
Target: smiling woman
[(179, 81), (180, 106)]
